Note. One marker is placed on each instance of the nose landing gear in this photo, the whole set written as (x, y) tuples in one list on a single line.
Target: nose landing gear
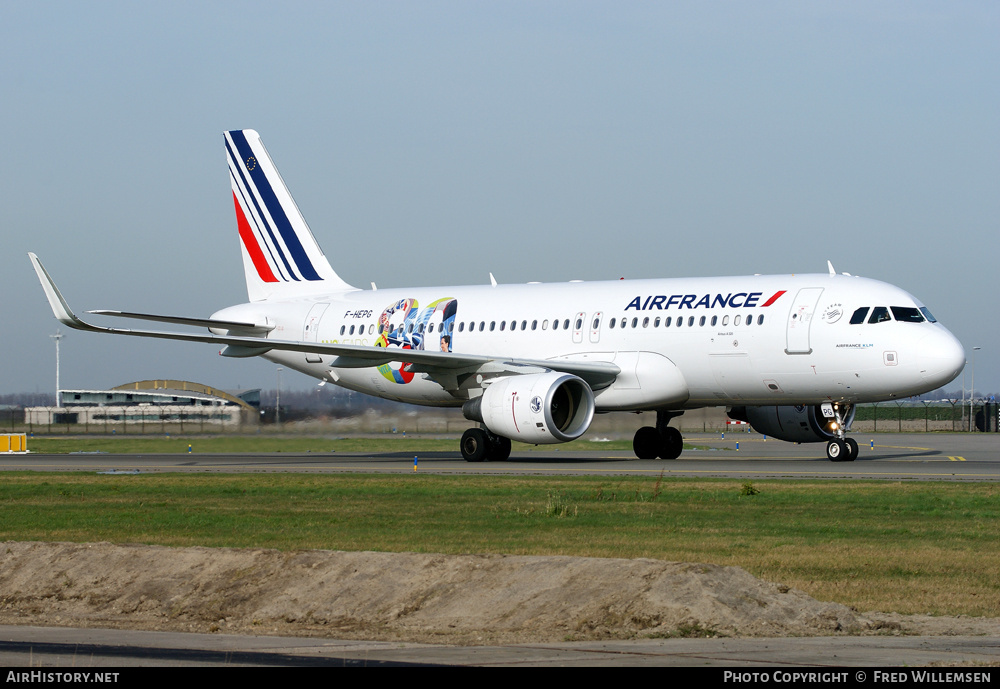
[(841, 448)]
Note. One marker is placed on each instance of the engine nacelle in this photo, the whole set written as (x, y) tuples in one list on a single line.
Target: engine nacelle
[(537, 408), (798, 424)]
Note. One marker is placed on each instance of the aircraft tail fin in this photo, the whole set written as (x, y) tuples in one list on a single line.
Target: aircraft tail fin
[(281, 258)]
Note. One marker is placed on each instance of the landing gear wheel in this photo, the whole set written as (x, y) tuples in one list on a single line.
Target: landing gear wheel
[(647, 443), (852, 449), (836, 451), (501, 449), (475, 445), (650, 443), (672, 443)]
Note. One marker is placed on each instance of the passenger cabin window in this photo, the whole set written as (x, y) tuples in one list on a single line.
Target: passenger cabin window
[(879, 314)]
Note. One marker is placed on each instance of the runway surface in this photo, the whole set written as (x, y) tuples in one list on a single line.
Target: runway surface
[(927, 457), (890, 456)]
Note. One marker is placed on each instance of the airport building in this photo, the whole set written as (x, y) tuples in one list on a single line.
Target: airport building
[(152, 404)]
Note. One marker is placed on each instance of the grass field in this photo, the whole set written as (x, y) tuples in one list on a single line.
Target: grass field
[(905, 547)]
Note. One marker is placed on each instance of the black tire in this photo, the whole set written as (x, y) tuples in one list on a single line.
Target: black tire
[(501, 449), (852, 449), (647, 443), (672, 443), (475, 445), (836, 451)]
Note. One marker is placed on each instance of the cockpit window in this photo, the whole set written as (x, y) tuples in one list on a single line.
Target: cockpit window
[(907, 314), (859, 316), (927, 314), (879, 314)]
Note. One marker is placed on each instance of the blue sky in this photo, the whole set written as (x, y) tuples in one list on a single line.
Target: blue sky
[(431, 143)]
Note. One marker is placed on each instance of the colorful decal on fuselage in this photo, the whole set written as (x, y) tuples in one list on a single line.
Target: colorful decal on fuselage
[(406, 326), (737, 300)]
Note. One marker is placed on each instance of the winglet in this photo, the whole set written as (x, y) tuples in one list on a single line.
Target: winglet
[(60, 309)]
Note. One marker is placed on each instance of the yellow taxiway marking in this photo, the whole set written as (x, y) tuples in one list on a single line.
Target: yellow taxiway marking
[(956, 459), (905, 447)]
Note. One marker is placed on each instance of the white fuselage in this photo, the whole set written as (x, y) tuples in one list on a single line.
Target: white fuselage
[(680, 343)]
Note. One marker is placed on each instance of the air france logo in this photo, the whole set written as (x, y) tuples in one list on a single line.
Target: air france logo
[(536, 404), (738, 300)]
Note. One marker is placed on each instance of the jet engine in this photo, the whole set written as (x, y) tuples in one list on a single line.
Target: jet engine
[(536, 408), (798, 424)]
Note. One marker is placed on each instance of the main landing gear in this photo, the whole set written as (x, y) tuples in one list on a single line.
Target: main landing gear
[(663, 441), (480, 445)]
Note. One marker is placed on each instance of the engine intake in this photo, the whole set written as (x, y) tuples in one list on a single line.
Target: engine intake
[(537, 408), (798, 424)]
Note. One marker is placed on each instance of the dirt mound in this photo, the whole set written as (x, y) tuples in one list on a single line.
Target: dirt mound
[(399, 596)]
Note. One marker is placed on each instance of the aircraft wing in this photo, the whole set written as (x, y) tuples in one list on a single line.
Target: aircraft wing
[(251, 328), (597, 374)]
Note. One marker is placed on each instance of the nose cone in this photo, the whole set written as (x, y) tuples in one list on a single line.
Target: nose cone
[(942, 357)]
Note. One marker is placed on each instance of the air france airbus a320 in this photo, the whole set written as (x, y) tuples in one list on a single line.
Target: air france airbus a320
[(790, 354)]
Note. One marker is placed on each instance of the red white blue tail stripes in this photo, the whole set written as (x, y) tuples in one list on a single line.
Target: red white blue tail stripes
[(279, 248)]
